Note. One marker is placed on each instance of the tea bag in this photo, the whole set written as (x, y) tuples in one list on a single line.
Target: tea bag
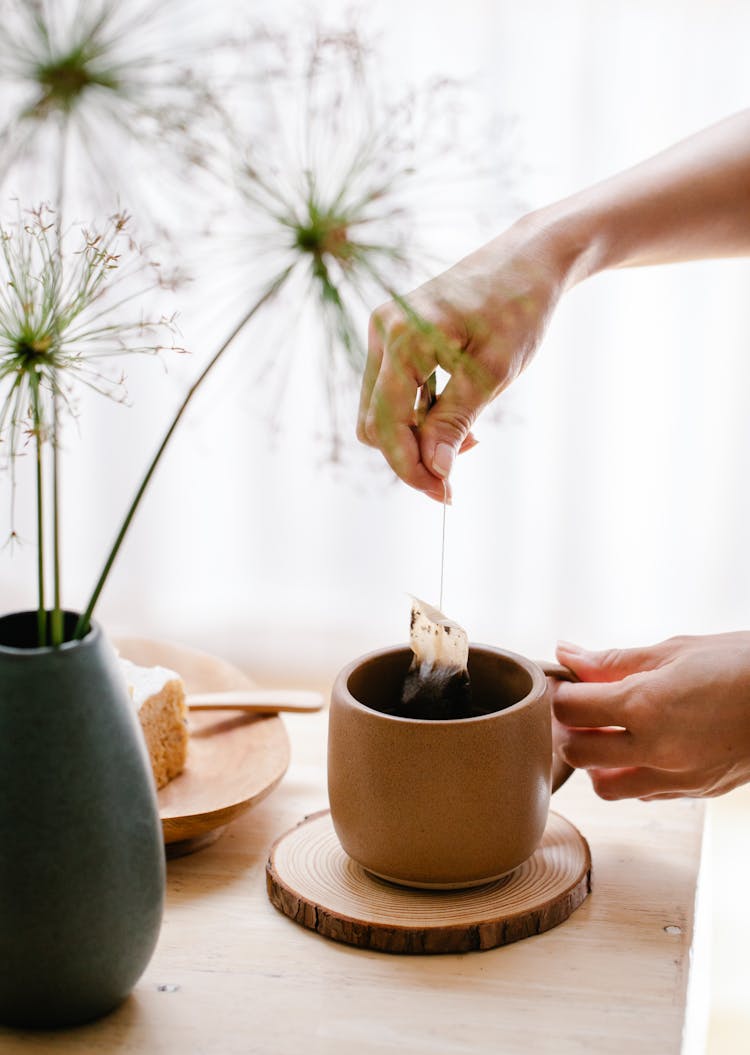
[(437, 683)]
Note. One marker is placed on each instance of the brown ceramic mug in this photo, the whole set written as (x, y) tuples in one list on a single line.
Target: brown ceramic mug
[(450, 803)]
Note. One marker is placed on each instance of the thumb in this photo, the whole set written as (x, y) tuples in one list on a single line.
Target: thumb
[(446, 429), (611, 664)]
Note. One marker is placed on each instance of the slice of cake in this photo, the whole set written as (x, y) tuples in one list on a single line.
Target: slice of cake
[(159, 698)]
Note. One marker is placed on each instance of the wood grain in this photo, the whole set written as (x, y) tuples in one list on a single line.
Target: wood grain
[(311, 880), (257, 701), (232, 976)]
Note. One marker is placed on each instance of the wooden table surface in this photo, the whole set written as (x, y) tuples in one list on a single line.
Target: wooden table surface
[(231, 976)]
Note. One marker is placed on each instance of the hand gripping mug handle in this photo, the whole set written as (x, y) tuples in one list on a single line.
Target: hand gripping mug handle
[(560, 769)]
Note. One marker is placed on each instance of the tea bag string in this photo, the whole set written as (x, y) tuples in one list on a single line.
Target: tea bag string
[(442, 548), (426, 399)]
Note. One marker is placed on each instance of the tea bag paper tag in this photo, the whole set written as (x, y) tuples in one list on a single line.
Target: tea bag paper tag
[(437, 641)]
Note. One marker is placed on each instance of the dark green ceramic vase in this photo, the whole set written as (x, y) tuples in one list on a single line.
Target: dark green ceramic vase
[(81, 852)]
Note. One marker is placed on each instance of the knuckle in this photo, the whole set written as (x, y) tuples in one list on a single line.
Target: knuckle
[(408, 350), (379, 319), (612, 659), (636, 714), (561, 710), (397, 330), (370, 429), (674, 646), (641, 704), (452, 427), (604, 788), (679, 640), (362, 434), (389, 328), (485, 376), (451, 351), (570, 752)]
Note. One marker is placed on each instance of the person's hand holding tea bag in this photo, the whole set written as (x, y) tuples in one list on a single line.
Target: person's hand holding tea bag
[(487, 315), (483, 319), (668, 720)]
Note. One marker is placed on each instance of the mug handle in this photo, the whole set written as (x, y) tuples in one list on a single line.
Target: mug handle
[(560, 769)]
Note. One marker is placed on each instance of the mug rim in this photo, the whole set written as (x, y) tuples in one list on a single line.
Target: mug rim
[(538, 686)]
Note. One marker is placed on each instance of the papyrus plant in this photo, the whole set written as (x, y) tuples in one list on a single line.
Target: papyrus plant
[(325, 192), (69, 312), (107, 99)]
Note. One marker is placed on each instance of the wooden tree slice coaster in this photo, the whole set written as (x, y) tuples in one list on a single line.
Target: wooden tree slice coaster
[(311, 880)]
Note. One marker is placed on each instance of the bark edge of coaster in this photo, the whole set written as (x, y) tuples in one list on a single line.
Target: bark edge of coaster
[(310, 879)]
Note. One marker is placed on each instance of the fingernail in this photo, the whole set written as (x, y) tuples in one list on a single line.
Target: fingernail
[(442, 462), (444, 496), (570, 648)]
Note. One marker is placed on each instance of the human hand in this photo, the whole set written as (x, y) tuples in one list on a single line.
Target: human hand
[(660, 722), (481, 321)]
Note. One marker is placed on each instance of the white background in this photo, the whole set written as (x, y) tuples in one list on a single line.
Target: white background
[(608, 504)]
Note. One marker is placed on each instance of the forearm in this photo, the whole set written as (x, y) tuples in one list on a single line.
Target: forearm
[(690, 202), (492, 307)]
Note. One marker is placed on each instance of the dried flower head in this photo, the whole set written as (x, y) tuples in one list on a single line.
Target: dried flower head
[(337, 181), (108, 90), (64, 305)]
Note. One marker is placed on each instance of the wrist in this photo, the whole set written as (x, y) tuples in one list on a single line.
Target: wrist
[(572, 239)]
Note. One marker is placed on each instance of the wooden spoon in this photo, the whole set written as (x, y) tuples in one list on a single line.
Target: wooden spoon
[(257, 701)]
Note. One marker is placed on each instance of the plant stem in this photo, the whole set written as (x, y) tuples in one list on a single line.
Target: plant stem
[(56, 618), (62, 162), (82, 625), (41, 614)]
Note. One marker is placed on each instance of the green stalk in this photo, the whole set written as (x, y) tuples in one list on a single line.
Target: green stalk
[(57, 631), (41, 613), (62, 161), (82, 625), (56, 616)]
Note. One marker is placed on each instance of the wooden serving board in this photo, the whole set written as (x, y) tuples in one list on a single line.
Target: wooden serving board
[(310, 879), (234, 759)]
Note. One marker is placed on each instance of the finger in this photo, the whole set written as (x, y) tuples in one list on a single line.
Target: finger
[(372, 369), (589, 705), (610, 665), (447, 426), (389, 425), (470, 442), (597, 748), (424, 402), (632, 782)]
